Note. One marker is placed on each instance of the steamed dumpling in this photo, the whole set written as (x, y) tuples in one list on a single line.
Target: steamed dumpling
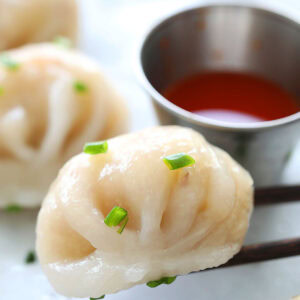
[(53, 102), (180, 221), (32, 21)]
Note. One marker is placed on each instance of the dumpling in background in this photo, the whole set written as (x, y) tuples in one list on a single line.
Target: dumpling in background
[(52, 101), (32, 21), (179, 221)]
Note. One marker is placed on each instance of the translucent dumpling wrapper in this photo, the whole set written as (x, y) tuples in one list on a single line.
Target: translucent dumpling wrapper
[(32, 21), (180, 221), (53, 102)]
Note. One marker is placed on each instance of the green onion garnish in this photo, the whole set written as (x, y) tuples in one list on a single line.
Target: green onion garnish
[(63, 42), (1, 90), (102, 297), (95, 147), (30, 257), (123, 225), (179, 160), (288, 156), (9, 63), (116, 216), (13, 208), (164, 280), (80, 87)]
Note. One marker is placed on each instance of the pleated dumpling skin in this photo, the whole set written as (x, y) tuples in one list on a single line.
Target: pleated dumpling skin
[(180, 221), (33, 21), (50, 105)]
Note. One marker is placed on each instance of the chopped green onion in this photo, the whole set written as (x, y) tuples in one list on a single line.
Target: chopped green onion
[(95, 147), (102, 297), (288, 156), (116, 216), (80, 87), (13, 208), (1, 90), (179, 160), (9, 63), (30, 257), (62, 41), (123, 225), (164, 280)]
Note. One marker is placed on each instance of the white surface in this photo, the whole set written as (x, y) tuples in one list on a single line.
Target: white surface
[(110, 32)]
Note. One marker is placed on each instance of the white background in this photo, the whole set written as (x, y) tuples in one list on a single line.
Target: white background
[(110, 32)]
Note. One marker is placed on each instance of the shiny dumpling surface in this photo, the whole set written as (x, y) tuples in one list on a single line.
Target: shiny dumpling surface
[(32, 21), (44, 119), (179, 221)]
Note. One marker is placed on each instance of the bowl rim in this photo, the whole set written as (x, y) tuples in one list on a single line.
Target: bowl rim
[(276, 9)]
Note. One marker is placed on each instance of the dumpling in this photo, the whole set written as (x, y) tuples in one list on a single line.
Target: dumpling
[(52, 101), (32, 21), (179, 221)]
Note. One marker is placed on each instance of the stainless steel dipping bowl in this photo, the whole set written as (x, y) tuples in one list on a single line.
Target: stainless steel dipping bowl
[(242, 38)]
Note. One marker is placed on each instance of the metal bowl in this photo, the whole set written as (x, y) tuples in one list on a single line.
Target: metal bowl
[(259, 40)]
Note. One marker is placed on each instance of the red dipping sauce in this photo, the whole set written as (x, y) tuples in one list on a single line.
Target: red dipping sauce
[(232, 97)]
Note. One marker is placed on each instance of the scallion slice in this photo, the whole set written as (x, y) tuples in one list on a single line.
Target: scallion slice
[(62, 41), (179, 160), (80, 87), (30, 257), (1, 90), (164, 280), (9, 63), (123, 225), (102, 297), (95, 147), (117, 216), (13, 208)]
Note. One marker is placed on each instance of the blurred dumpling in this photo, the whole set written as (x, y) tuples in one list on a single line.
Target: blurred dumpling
[(52, 101), (32, 21), (180, 221)]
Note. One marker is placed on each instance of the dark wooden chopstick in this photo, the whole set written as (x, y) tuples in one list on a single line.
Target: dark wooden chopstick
[(263, 252), (277, 194), (266, 251), (269, 250)]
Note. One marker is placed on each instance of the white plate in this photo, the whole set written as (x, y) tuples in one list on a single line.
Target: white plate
[(110, 31)]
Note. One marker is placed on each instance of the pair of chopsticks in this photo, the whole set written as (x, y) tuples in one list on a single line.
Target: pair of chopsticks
[(270, 250)]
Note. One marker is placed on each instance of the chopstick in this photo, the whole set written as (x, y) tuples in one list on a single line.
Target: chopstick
[(277, 194), (265, 251), (269, 250)]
